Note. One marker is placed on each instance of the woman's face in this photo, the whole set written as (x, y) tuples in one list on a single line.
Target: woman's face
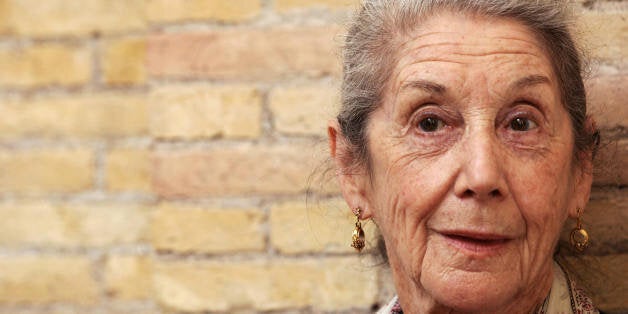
[(471, 174)]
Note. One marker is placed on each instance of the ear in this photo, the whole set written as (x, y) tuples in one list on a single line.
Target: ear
[(584, 174), (582, 189), (351, 175)]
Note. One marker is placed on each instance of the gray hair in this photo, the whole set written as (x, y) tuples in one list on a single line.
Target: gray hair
[(378, 26)]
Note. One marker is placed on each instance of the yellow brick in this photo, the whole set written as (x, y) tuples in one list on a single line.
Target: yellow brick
[(124, 62), (75, 18), (331, 284), (37, 224), (235, 170), (4, 17), (285, 5), (207, 230), (205, 112), (46, 279), (324, 226), (185, 10), (44, 64), (46, 171), (303, 110), (93, 115), (70, 225), (262, 54), (109, 224), (128, 277), (128, 170), (606, 35)]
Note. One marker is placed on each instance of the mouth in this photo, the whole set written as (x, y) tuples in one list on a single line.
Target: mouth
[(476, 243)]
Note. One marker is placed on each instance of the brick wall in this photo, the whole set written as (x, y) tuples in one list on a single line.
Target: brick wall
[(154, 157)]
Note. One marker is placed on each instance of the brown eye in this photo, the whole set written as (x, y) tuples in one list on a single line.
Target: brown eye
[(522, 124), (431, 124)]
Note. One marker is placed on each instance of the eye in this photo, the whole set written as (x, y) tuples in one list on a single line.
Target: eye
[(521, 124), (431, 124)]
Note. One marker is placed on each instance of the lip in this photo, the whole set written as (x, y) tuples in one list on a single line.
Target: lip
[(479, 244)]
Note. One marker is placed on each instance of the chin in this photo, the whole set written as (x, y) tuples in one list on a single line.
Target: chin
[(465, 291)]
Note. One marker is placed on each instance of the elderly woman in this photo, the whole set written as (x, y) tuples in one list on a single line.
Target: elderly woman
[(463, 135)]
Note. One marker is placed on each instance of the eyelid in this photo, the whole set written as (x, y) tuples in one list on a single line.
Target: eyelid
[(433, 109), (531, 100), (528, 110), (530, 103), (428, 111)]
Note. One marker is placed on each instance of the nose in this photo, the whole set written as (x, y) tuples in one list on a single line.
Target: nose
[(481, 174)]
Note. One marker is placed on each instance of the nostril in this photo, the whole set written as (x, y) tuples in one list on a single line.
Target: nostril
[(471, 193)]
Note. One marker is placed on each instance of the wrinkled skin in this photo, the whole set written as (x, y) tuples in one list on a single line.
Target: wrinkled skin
[(471, 173)]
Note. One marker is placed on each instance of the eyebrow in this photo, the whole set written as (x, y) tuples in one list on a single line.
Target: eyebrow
[(427, 86), (435, 88), (529, 81)]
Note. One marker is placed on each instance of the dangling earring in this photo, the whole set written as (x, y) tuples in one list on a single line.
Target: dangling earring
[(579, 237), (357, 239)]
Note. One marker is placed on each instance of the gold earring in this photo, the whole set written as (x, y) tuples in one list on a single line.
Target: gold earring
[(579, 237), (357, 239)]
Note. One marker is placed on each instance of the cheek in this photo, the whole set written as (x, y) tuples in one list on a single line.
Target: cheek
[(406, 192), (542, 190)]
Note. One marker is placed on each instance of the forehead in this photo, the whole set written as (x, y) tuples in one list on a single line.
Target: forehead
[(451, 47)]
